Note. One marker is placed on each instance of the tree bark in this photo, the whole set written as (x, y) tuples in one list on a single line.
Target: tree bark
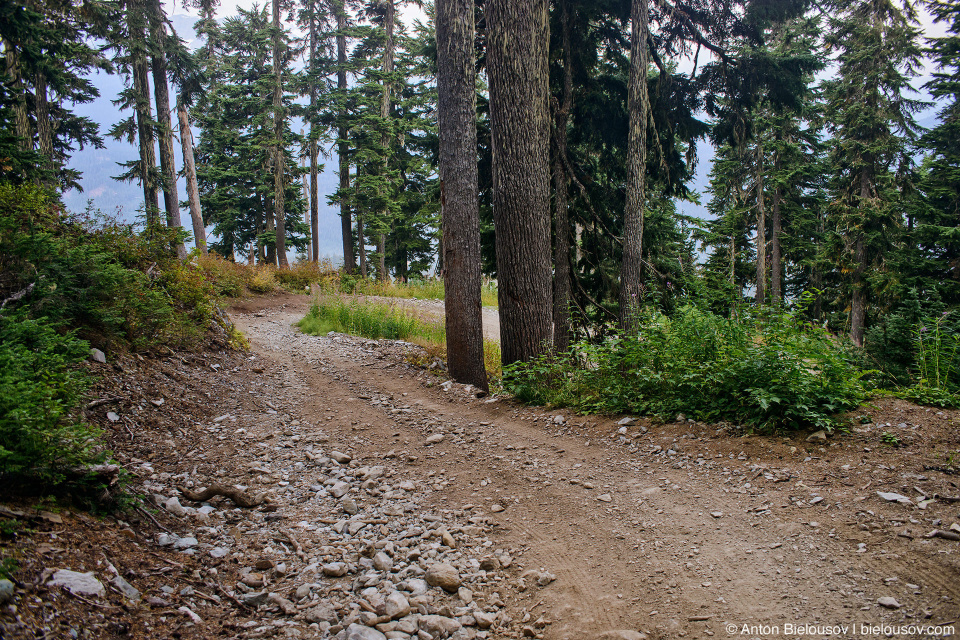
[(638, 102), (761, 229), (858, 300), (459, 190), (314, 221), (190, 169), (561, 222), (279, 118), (363, 247), (42, 112), (517, 46), (776, 258), (14, 73), (161, 92), (148, 158), (346, 223), (385, 106)]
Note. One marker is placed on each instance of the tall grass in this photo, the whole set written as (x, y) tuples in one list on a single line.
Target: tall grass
[(374, 320)]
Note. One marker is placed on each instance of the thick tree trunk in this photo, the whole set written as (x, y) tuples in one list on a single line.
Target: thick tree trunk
[(385, 106), (279, 118), (517, 44), (346, 223), (858, 300), (776, 258), (190, 171), (306, 196), (561, 222), (161, 92), (363, 246), (638, 102), (314, 221), (148, 158), (44, 126), (459, 198), (14, 73), (761, 292)]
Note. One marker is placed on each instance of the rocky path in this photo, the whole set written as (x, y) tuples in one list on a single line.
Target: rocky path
[(678, 530), (377, 501)]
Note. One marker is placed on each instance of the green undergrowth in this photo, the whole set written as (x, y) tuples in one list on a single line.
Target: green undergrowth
[(72, 282), (767, 371)]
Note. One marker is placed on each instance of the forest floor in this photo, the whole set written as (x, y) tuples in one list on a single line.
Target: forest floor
[(551, 524)]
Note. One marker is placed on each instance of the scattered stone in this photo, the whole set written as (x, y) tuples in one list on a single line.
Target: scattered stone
[(81, 584), (408, 485), (888, 602), (219, 552), (98, 356), (349, 506), (490, 563), (484, 620), (465, 595), (254, 599), (173, 506), (443, 575), (605, 497), (360, 632), (112, 417), (340, 457), (716, 514), (194, 618), (128, 590), (334, 569), (186, 543), (382, 562), (6, 591), (339, 489), (436, 438), (819, 436), (323, 612), (894, 497), (396, 605), (496, 507), (625, 422)]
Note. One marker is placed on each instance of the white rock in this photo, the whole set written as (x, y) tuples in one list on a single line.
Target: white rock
[(81, 584), (382, 562), (173, 506), (894, 497), (194, 618), (605, 497), (360, 632), (436, 438), (98, 356), (396, 605), (334, 569), (186, 543), (888, 602), (339, 489)]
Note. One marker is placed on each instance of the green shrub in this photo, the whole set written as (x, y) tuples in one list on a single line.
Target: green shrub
[(40, 387), (766, 371)]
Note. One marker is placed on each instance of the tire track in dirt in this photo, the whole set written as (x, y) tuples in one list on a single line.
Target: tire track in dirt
[(655, 543)]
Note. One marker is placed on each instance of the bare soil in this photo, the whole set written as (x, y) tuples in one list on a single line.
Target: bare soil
[(676, 529)]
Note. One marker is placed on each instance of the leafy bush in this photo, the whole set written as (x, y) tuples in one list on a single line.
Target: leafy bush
[(766, 371), (40, 385)]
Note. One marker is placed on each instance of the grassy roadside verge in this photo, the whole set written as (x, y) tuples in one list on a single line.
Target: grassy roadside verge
[(378, 320)]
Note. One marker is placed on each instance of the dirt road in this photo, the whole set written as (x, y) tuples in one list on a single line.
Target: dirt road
[(676, 530)]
